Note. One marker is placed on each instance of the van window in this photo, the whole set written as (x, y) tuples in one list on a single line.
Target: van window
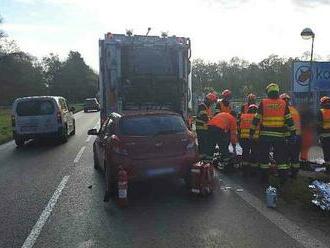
[(63, 105), (35, 107)]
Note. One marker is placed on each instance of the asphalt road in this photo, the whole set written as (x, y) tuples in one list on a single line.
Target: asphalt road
[(50, 196)]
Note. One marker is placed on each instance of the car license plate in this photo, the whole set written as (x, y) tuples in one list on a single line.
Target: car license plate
[(160, 171)]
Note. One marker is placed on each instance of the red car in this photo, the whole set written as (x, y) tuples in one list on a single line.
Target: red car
[(145, 144)]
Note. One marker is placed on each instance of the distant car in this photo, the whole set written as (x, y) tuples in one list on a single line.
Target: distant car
[(91, 104), (42, 117), (146, 144)]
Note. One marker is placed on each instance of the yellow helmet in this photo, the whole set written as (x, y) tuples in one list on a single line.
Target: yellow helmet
[(272, 87)]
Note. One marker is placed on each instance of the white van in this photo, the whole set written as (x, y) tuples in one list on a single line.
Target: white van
[(42, 117)]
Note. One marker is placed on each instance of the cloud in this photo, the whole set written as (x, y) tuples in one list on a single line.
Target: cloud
[(310, 3), (228, 3), (31, 28)]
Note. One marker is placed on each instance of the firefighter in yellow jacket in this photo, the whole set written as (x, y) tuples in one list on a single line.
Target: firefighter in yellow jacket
[(324, 129), (204, 114), (274, 118), (293, 148), (249, 148)]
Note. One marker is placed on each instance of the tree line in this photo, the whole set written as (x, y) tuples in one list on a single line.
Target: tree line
[(22, 74), (241, 76)]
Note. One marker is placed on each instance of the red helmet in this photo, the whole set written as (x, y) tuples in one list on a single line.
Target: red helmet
[(253, 107), (251, 97), (226, 94), (285, 96), (325, 100), (212, 97)]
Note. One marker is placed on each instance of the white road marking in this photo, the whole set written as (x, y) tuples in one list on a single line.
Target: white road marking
[(88, 138), (35, 232), (79, 154), (290, 228)]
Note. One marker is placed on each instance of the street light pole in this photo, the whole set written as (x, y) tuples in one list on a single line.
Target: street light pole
[(307, 34)]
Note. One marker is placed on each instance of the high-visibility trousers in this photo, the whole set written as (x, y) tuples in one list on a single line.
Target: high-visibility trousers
[(202, 137), (325, 143), (218, 136), (279, 149), (250, 152), (293, 151)]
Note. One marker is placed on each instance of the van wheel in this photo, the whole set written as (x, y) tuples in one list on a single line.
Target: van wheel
[(74, 128), (19, 141)]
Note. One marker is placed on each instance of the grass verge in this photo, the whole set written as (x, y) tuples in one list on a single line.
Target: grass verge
[(5, 125)]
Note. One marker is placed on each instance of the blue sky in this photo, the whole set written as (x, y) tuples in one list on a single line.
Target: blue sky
[(219, 29)]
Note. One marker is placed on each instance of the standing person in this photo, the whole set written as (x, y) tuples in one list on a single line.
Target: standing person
[(274, 118), (293, 147), (324, 129), (223, 104), (203, 116), (222, 129), (251, 99), (249, 154)]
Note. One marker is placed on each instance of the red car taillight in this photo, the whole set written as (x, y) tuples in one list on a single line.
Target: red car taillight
[(117, 146), (13, 121), (59, 117)]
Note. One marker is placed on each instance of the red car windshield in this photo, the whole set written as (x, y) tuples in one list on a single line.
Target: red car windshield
[(152, 125)]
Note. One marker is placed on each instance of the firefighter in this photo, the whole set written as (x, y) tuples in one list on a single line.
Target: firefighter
[(203, 116), (223, 104), (249, 154), (274, 118), (293, 149), (222, 129), (324, 129), (251, 99)]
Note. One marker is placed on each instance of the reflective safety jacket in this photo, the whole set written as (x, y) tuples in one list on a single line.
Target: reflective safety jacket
[(296, 120), (221, 107), (245, 124), (203, 116), (324, 122), (227, 123), (274, 118)]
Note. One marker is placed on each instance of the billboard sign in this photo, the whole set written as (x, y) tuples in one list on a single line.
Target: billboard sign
[(317, 74)]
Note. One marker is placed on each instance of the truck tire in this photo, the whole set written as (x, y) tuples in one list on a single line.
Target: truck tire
[(19, 141), (96, 161), (74, 128)]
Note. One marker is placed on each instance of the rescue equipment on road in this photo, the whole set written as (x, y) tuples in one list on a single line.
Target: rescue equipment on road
[(202, 178), (122, 187), (271, 197)]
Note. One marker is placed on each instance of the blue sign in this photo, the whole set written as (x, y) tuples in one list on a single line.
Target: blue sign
[(316, 74)]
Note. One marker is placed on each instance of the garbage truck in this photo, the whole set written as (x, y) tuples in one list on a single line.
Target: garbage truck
[(141, 72)]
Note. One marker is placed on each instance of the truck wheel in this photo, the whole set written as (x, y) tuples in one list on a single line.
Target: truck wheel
[(19, 141), (74, 128), (96, 162)]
